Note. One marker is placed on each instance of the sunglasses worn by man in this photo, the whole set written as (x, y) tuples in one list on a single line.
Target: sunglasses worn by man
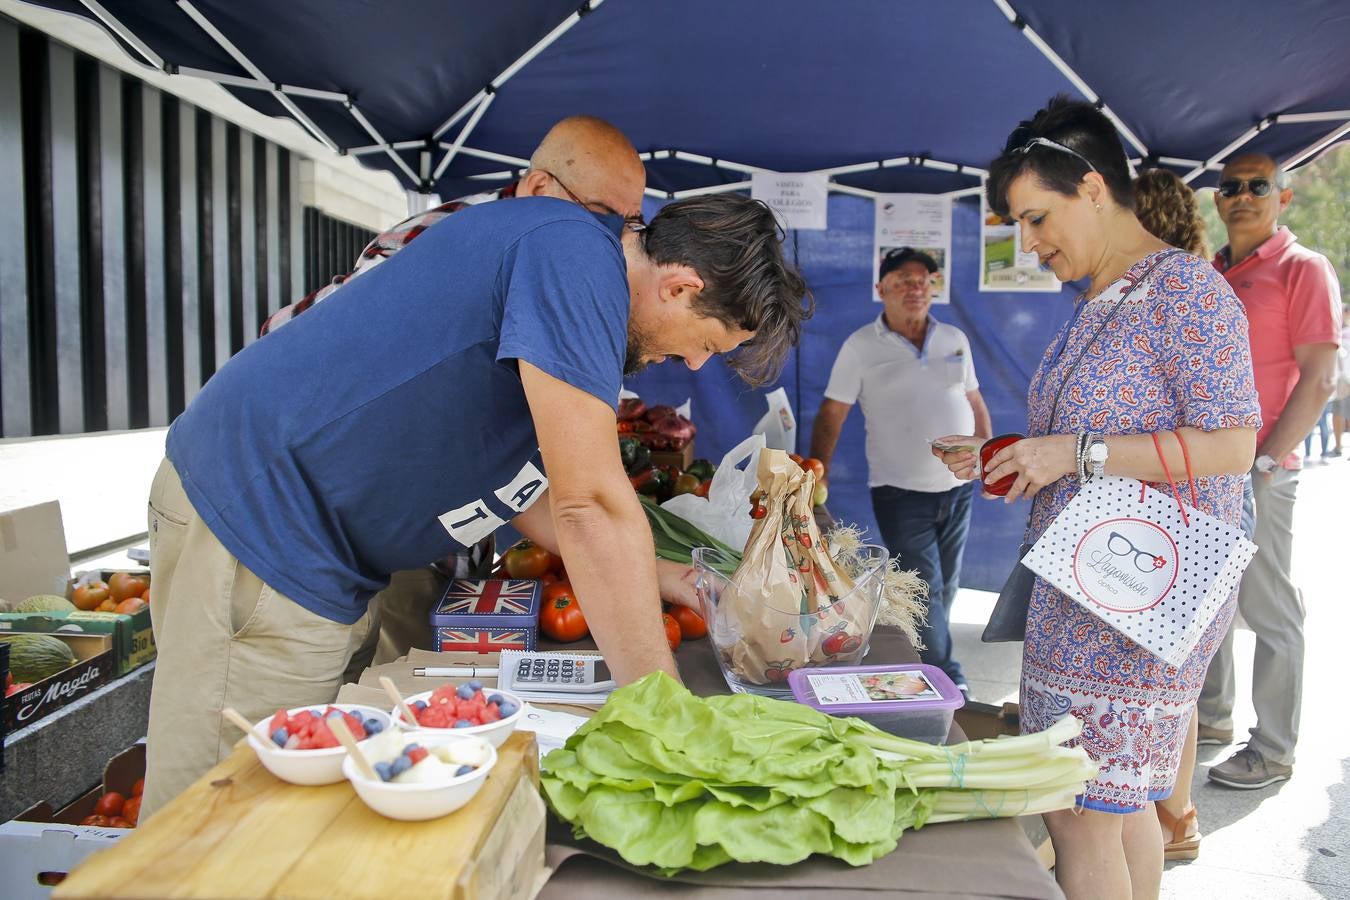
[(1259, 187)]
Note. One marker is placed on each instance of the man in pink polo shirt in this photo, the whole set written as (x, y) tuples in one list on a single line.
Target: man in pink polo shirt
[(1292, 298)]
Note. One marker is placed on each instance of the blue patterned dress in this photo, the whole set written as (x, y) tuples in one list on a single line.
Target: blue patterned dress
[(1175, 354)]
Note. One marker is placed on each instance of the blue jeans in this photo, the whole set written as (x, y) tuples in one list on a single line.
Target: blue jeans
[(927, 531)]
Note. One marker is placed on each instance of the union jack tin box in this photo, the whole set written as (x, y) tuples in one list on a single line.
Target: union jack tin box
[(487, 615)]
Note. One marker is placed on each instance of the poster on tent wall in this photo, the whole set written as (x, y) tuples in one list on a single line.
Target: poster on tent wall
[(921, 221), (1003, 265), (799, 199)]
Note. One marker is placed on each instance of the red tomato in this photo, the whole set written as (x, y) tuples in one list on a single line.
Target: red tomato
[(672, 631), (89, 596), (120, 822), (139, 787), (811, 464), (527, 560), (692, 626), (703, 488), (110, 804), (131, 810), (123, 585), (131, 605), (97, 820), (560, 616), (795, 458)]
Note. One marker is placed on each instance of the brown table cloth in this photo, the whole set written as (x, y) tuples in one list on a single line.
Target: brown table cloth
[(963, 859)]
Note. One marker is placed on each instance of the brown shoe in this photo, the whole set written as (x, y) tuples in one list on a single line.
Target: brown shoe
[(1218, 737), (1184, 833), (1248, 770)]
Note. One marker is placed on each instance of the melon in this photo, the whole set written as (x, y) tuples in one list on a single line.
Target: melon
[(33, 657), (45, 603)]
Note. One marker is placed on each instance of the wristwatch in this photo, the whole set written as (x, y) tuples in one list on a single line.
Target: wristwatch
[(1265, 464), (1097, 454)]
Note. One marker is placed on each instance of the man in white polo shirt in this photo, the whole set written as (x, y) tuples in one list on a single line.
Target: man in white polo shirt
[(916, 381)]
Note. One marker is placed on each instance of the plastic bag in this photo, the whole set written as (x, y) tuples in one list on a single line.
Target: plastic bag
[(722, 513), (789, 597), (778, 425)]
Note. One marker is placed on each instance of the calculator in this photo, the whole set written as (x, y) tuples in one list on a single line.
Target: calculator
[(550, 672)]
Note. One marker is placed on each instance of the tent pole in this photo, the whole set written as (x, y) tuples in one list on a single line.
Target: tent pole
[(380, 148), (542, 45), (370, 130), (711, 189), (1339, 115), (1223, 154), (1039, 43), (469, 126), (125, 33), (226, 45), (1316, 148), (514, 161), (257, 84)]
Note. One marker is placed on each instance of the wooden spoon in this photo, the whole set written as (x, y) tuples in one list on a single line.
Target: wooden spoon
[(344, 735), (392, 690)]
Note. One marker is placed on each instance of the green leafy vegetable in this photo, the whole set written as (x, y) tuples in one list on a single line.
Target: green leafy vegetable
[(676, 537), (674, 781)]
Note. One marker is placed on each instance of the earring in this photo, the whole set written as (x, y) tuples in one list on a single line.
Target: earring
[(1099, 207)]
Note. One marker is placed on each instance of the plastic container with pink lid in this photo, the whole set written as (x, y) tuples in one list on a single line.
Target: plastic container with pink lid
[(913, 700)]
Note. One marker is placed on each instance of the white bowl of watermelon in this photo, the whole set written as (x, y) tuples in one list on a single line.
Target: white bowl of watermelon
[(421, 775), (298, 747), (465, 709)]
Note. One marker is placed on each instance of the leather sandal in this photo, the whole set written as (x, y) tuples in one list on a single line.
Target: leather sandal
[(1182, 845)]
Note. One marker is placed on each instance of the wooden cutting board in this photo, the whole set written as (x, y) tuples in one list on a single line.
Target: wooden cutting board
[(239, 831)]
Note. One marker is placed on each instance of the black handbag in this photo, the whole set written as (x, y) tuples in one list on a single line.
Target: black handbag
[(1008, 620)]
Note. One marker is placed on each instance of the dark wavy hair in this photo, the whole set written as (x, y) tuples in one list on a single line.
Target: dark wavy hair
[(1166, 206), (1076, 125), (736, 246)]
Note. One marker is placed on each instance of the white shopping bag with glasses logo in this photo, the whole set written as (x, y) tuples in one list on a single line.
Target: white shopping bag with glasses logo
[(1139, 560)]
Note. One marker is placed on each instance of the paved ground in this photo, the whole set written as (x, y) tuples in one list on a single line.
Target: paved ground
[(1290, 840)]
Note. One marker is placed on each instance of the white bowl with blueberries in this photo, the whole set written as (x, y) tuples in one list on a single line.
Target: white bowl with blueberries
[(279, 753), (445, 714), (420, 775)]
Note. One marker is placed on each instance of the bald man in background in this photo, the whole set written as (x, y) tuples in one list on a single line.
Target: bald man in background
[(583, 160)]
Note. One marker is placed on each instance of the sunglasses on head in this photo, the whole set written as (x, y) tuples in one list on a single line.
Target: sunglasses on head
[(1259, 187), (1023, 140)]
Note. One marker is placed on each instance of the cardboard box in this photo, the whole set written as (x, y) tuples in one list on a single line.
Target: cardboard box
[(984, 720), (41, 846), (94, 668), (133, 643), (33, 557), (681, 459), (487, 615)]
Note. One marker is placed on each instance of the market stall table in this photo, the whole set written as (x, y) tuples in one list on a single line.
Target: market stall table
[(227, 842)]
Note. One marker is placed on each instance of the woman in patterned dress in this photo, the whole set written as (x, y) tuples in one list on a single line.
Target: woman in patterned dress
[(1172, 357)]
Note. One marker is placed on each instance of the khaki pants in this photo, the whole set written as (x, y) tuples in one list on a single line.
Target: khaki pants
[(224, 638), (1273, 608)]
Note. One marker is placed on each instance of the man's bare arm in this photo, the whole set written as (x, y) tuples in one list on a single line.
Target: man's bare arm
[(1316, 384), (825, 433)]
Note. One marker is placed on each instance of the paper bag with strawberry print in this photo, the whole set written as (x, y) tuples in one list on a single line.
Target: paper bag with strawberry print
[(792, 601)]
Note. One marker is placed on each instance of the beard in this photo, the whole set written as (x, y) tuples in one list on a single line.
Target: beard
[(633, 362)]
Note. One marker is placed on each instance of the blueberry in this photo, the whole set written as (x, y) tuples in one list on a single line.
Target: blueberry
[(316, 713), (497, 699), (419, 705), (373, 726), (410, 748), (464, 692), (463, 770), (463, 723), (399, 766), (280, 735), (382, 769), (476, 685), (509, 709)]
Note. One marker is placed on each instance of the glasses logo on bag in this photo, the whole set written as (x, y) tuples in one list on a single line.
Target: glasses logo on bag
[(1126, 564)]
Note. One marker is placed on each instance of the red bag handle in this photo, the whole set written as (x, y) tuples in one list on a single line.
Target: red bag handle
[(1190, 476)]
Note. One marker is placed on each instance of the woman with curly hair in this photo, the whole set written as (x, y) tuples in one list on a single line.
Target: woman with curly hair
[(1165, 205)]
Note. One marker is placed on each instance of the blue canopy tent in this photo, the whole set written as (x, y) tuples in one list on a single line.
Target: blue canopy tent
[(452, 95)]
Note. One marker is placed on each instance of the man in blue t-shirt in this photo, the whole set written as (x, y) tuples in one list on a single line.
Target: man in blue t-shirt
[(414, 412)]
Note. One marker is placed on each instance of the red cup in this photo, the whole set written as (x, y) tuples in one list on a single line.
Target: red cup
[(992, 446)]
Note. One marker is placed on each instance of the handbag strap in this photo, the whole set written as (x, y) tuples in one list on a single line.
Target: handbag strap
[(1063, 382), (1190, 477)]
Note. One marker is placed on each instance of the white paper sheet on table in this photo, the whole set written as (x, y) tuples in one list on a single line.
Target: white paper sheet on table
[(551, 728)]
